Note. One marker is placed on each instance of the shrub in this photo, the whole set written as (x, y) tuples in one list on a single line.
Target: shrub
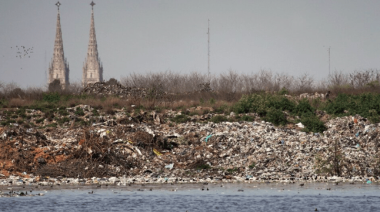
[(51, 97), (283, 91), (221, 109), (203, 166), (303, 107), (246, 104), (212, 101), (312, 124), (180, 119), (63, 120), (247, 118), (95, 112), (373, 116), (218, 119), (363, 104), (260, 103), (232, 170), (40, 120), (79, 111), (62, 111), (276, 116)]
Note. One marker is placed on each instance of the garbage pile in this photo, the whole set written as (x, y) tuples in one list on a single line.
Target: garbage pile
[(116, 89), (141, 148), (315, 95)]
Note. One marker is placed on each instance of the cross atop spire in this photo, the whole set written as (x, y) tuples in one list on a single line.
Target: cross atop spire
[(58, 4), (92, 5)]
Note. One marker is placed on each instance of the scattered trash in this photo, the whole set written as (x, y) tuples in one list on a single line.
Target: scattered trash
[(157, 152), (208, 137), (300, 125), (170, 166)]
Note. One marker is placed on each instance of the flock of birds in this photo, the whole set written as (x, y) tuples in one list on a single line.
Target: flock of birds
[(23, 51)]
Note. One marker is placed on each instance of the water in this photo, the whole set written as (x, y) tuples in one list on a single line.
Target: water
[(255, 197)]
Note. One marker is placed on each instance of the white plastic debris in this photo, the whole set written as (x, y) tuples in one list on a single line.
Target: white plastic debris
[(300, 125), (170, 166)]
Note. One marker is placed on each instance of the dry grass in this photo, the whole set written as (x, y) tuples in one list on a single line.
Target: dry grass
[(13, 103), (188, 90)]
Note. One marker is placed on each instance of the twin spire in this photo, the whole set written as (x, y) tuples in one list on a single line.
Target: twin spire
[(92, 69), (59, 68)]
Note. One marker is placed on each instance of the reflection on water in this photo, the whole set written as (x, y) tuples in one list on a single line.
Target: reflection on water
[(230, 197)]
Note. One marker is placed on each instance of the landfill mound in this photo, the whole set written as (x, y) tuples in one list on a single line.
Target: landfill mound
[(149, 149)]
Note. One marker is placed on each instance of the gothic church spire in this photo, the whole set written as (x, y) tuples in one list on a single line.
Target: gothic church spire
[(59, 68), (92, 69)]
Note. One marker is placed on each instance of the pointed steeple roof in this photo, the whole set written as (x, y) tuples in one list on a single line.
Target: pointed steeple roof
[(58, 44), (93, 69), (59, 68)]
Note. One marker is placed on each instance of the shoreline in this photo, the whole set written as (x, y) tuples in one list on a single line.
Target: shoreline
[(114, 181)]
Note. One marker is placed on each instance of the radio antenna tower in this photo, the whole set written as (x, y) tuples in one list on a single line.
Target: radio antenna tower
[(208, 33), (329, 60), (45, 68)]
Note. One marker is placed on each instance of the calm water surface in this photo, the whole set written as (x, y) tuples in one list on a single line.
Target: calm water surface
[(255, 197)]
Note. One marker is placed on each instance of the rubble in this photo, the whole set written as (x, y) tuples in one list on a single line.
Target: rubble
[(140, 148)]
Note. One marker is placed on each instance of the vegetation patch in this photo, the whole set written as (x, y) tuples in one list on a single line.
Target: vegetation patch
[(180, 118), (218, 119)]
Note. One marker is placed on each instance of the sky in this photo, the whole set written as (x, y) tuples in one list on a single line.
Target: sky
[(150, 36)]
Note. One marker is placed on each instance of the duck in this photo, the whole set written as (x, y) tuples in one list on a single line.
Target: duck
[(91, 192), (240, 190), (302, 184)]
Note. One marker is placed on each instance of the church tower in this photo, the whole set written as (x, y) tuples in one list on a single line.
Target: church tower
[(59, 68), (93, 68)]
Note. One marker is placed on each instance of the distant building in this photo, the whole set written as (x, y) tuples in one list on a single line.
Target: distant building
[(93, 68), (59, 68)]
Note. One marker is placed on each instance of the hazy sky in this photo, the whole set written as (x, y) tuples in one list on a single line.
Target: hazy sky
[(142, 36)]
